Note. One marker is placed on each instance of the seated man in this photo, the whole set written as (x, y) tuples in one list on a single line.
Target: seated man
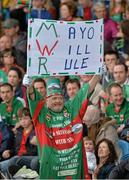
[(10, 105), (119, 108), (120, 74), (25, 148), (6, 43), (40, 85), (111, 58), (72, 87), (11, 28)]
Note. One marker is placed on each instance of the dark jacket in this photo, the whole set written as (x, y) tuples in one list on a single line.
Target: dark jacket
[(6, 138), (21, 58), (31, 149), (121, 171), (105, 170), (21, 43)]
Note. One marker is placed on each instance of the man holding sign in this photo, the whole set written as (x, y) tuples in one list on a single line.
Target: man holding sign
[(58, 129), (58, 125)]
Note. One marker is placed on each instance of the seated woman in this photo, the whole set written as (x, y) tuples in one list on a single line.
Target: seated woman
[(68, 11), (9, 60), (106, 157)]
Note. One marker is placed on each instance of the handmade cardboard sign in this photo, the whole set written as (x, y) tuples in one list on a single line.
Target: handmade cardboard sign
[(64, 48)]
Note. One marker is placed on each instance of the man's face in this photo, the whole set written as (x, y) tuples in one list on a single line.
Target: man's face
[(110, 61), (6, 94), (117, 96), (55, 103), (100, 12), (5, 43), (119, 74), (39, 86), (72, 89)]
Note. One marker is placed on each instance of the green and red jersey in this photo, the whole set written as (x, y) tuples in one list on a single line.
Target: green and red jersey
[(59, 135), (122, 115), (10, 115)]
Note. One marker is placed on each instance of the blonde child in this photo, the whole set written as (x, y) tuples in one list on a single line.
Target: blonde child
[(91, 159)]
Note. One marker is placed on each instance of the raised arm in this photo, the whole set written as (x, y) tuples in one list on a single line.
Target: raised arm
[(93, 82)]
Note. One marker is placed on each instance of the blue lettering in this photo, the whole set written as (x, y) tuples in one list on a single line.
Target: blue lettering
[(75, 67), (42, 62), (90, 33), (72, 32), (84, 61), (86, 50), (82, 31), (78, 53), (76, 64), (70, 64), (70, 47)]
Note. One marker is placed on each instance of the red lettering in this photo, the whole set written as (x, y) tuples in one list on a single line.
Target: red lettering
[(45, 48)]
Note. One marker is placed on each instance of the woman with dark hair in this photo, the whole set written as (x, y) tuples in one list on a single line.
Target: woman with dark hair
[(9, 59), (106, 157)]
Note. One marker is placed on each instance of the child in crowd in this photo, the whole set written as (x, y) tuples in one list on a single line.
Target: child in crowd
[(91, 159), (25, 147)]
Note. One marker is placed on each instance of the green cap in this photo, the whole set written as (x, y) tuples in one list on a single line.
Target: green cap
[(9, 23), (53, 87)]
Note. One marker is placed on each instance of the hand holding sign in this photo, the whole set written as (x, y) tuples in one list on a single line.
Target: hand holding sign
[(27, 81)]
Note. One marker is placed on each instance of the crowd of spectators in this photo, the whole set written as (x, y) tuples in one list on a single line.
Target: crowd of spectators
[(106, 121)]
